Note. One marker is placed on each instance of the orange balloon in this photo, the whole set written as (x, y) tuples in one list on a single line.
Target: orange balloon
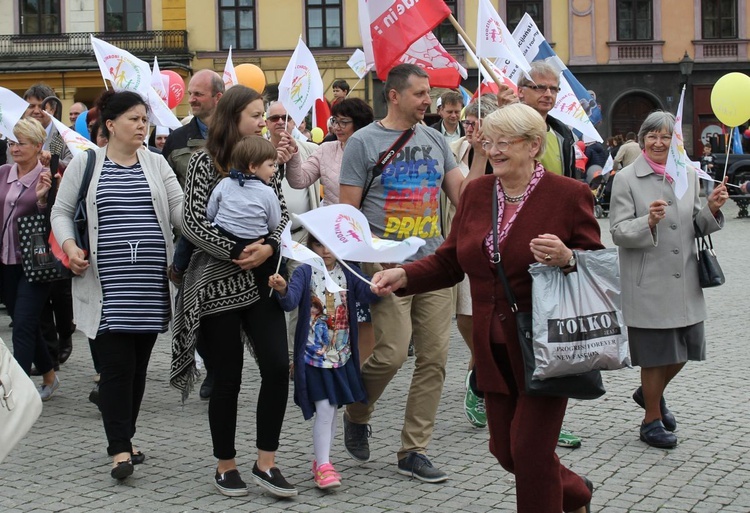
[(251, 76)]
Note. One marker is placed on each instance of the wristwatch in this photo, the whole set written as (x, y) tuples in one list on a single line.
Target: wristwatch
[(571, 262)]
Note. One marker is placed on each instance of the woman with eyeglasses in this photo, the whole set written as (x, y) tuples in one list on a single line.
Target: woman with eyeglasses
[(225, 303), (23, 191), (347, 116), (662, 300), (524, 215)]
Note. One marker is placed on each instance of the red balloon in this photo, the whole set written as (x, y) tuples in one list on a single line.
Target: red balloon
[(747, 133), (175, 88)]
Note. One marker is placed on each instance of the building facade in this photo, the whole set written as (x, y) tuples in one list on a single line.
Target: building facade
[(635, 55)]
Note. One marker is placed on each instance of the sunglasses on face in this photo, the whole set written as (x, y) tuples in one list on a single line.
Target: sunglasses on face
[(275, 118)]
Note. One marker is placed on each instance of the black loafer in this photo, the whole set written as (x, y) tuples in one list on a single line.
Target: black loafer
[(137, 458), (122, 470), (655, 435), (670, 423), (207, 387), (66, 349), (590, 486)]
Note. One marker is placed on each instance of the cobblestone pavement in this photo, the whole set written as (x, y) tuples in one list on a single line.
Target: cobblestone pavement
[(62, 464)]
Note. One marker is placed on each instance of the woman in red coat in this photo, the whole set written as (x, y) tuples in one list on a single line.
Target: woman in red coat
[(541, 218)]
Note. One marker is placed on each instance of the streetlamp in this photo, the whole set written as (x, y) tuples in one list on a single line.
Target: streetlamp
[(686, 68)]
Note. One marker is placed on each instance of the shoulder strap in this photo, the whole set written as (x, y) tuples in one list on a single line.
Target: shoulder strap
[(87, 174), (385, 159), (496, 254)]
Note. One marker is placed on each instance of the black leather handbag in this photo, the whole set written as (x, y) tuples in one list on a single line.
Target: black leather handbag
[(709, 270)]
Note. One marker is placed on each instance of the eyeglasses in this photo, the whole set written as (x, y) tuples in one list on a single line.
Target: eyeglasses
[(275, 118), (343, 123), (469, 124), (540, 88), (499, 145), (13, 144)]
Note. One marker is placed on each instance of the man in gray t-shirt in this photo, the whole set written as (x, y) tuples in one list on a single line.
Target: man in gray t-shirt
[(403, 201)]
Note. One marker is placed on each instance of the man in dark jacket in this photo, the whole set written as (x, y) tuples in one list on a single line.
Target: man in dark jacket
[(540, 93), (449, 107), (204, 91)]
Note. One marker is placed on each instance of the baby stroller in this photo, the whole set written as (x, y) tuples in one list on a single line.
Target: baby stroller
[(601, 188)]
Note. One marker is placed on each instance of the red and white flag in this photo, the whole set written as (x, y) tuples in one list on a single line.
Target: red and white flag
[(230, 76), (396, 24), (427, 52)]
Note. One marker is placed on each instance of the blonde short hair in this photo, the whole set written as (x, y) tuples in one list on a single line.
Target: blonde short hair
[(519, 121), (30, 129)]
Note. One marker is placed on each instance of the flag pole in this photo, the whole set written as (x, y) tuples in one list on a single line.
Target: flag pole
[(473, 48), (352, 87), (729, 148), (355, 273)]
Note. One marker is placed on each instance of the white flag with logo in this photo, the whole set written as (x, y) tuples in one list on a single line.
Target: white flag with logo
[(128, 73), (495, 40), (677, 161), (158, 81), (12, 108), (298, 252), (363, 17), (358, 63), (75, 141), (301, 84), (230, 76), (344, 230)]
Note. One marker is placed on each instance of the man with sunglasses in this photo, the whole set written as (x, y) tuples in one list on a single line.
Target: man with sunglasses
[(298, 201), (540, 93)]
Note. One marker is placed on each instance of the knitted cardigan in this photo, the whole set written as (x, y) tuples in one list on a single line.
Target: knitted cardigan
[(212, 283)]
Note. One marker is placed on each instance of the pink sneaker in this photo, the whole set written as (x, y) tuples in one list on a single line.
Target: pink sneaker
[(326, 476)]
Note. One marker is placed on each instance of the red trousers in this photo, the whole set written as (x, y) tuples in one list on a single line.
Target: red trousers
[(523, 436)]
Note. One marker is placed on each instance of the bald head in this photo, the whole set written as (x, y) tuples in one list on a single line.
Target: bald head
[(75, 110), (204, 91)]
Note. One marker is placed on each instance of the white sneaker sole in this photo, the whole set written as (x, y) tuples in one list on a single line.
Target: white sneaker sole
[(409, 473), (275, 490), (231, 492)]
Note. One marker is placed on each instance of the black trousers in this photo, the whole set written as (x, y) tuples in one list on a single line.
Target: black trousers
[(123, 358), (222, 344), (25, 301), (57, 317)]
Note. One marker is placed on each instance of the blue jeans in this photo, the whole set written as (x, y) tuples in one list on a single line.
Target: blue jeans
[(25, 302)]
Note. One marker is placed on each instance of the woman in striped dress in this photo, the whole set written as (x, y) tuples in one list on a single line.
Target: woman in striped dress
[(121, 296)]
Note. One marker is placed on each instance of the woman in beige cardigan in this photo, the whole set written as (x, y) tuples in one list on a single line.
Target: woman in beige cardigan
[(121, 295)]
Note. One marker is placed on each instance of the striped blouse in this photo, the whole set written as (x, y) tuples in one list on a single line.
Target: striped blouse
[(132, 256)]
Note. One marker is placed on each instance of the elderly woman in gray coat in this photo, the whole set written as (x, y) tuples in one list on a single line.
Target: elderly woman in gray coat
[(662, 300)]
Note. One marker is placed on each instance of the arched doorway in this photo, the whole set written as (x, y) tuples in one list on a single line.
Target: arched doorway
[(630, 111)]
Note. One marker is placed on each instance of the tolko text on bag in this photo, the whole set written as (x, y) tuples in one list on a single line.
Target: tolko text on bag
[(580, 329)]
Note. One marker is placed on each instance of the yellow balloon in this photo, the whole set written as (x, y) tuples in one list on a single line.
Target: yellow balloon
[(317, 135), (251, 76), (264, 131), (729, 99)]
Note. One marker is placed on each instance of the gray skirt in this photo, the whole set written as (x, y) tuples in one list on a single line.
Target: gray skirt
[(658, 347)]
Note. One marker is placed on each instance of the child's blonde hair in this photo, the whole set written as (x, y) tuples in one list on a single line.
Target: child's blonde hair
[(252, 150)]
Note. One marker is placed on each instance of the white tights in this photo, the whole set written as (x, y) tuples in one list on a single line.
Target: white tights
[(324, 430)]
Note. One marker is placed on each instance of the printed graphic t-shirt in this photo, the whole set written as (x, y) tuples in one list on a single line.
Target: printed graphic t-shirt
[(404, 200)]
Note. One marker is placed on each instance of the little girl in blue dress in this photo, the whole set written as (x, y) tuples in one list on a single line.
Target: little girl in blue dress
[(326, 355)]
